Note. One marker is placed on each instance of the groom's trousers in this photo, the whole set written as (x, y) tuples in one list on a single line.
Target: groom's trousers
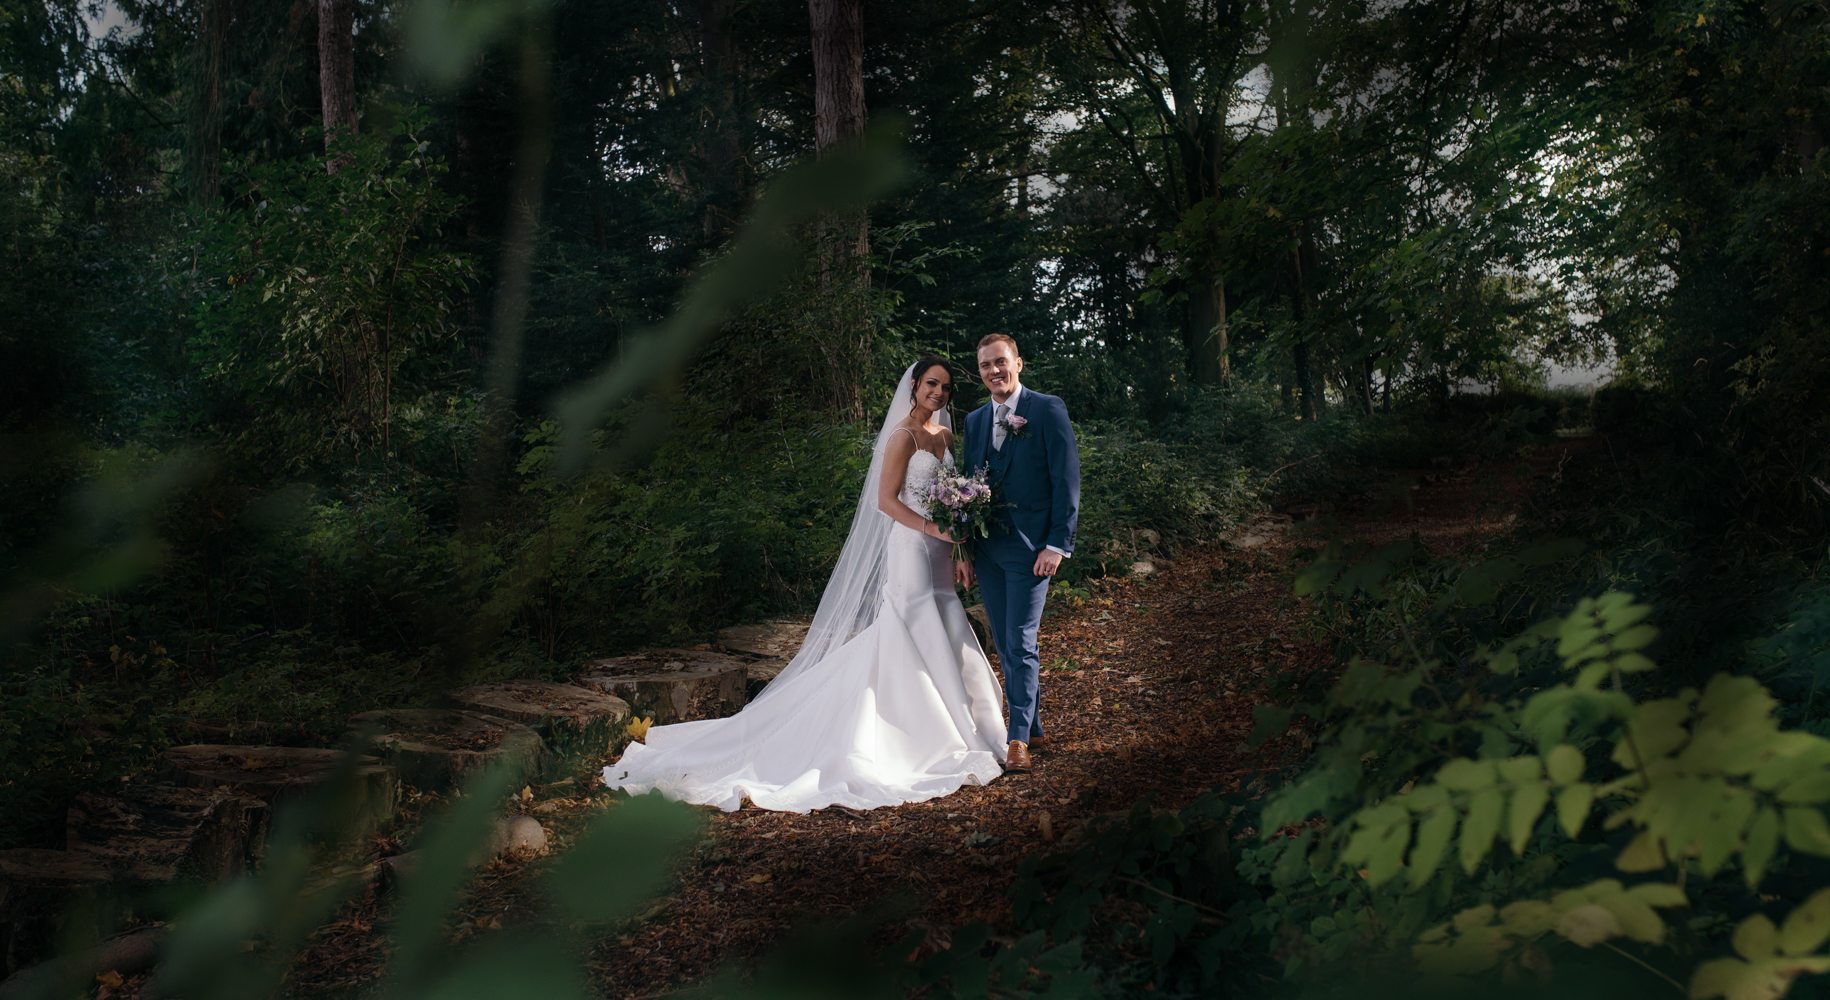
[(1013, 601)]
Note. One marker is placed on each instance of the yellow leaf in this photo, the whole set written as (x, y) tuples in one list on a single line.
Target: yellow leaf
[(638, 727), (1701, 20), (759, 879), (110, 979), (1588, 925)]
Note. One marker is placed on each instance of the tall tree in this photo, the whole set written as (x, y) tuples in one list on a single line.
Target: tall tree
[(842, 320), (337, 70), (1183, 59), (720, 149)]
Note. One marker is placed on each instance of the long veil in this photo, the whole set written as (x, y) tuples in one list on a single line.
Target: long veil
[(855, 590)]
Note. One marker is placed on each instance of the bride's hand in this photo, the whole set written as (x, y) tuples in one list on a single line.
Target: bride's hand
[(932, 530)]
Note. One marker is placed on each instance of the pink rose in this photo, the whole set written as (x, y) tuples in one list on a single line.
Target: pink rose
[(1015, 422)]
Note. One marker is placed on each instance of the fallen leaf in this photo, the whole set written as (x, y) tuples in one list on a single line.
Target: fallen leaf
[(638, 728), (110, 979), (759, 879)]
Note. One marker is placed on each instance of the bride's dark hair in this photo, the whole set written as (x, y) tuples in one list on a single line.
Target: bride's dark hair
[(926, 364)]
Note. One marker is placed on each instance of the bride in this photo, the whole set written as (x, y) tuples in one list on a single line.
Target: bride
[(890, 699)]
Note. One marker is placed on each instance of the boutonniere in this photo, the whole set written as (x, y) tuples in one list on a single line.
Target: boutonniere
[(1014, 426)]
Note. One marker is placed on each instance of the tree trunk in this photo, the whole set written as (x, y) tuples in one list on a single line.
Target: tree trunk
[(720, 148), (842, 326), (1366, 389), (206, 148), (337, 70), (1299, 312), (1207, 326)]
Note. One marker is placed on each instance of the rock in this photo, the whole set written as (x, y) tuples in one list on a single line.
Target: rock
[(537, 703), (1263, 530), (524, 833), (437, 748), (127, 955), (757, 675), (280, 775), (1143, 567), (511, 835), (38, 890), (1147, 538), (671, 685), (398, 869), (779, 639), (165, 833), (981, 627)]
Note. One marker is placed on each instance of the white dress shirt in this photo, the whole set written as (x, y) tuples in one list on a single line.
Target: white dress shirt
[(999, 432)]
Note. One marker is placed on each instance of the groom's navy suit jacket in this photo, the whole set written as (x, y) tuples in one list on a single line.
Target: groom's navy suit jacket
[(1039, 471)]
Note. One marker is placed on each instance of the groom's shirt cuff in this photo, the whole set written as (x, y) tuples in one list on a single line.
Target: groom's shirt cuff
[(1059, 552)]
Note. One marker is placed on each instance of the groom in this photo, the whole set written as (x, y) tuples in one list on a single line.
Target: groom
[(1024, 437)]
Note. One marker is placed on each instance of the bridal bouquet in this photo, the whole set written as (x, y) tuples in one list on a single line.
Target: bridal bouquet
[(963, 504)]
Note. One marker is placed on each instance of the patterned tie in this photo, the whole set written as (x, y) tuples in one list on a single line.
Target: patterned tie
[(998, 444)]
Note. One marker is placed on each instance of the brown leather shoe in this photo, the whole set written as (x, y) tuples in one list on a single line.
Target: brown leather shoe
[(1016, 761)]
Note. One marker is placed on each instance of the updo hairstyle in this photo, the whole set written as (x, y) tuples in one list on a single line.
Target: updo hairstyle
[(927, 363)]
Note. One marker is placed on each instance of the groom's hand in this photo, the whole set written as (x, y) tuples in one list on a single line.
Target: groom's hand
[(963, 575), (1047, 562)]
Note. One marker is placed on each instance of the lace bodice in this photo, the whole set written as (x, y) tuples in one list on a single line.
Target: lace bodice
[(919, 481)]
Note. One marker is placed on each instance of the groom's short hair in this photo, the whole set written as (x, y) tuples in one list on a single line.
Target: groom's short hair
[(1001, 338)]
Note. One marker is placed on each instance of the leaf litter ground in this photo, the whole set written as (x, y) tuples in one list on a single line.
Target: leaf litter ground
[(1148, 689)]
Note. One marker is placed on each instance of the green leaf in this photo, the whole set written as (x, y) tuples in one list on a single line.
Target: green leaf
[(1573, 807), (1638, 637), (1807, 927), (1806, 831), (1379, 843), (1756, 938), (1564, 764), (1433, 835), (1522, 813), (1762, 844), (1483, 822), (1808, 790), (1464, 775), (623, 858)]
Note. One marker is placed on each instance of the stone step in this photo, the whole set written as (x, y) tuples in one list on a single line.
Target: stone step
[(981, 627), (559, 707), (779, 639), (164, 832), (39, 891), (672, 685), (440, 748), (280, 775)]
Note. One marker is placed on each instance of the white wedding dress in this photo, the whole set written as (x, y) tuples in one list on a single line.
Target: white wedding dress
[(905, 710)]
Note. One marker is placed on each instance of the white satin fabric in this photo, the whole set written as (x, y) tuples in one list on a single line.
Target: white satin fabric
[(906, 710)]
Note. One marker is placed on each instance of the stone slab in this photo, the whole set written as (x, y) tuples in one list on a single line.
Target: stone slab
[(780, 638), (281, 775), (440, 748), (672, 685), (166, 832), (537, 703)]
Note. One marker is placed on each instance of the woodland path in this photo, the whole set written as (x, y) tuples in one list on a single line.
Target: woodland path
[(1148, 688)]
